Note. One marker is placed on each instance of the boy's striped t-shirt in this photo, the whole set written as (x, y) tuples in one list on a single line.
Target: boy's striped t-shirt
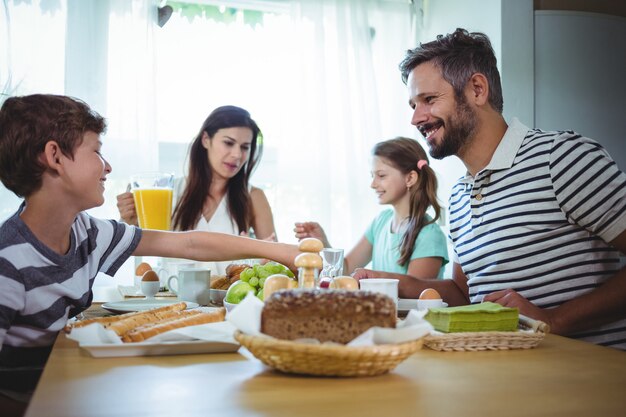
[(538, 220), (41, 288)]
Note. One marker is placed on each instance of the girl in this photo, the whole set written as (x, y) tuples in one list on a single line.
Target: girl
[(217, 196), (402, 239)]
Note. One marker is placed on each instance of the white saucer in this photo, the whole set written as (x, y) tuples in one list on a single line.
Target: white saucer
[(129, 306), (406, 304)]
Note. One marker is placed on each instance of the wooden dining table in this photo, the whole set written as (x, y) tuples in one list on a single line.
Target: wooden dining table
[(560, 377)]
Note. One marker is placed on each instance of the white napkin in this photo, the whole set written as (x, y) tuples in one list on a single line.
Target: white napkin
[(94, 334), (246, 317), (411, 328)]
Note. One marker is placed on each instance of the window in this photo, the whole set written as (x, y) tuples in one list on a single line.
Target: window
[(320, 78)]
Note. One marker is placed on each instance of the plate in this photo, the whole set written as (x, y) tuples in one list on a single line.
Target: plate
[(129, 291), (129, 306), (406, 304), (155, 349)]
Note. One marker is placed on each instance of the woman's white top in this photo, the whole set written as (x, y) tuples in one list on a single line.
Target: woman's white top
[(220, 222)]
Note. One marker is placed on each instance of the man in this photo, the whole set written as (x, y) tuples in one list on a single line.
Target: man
[(539, 220)]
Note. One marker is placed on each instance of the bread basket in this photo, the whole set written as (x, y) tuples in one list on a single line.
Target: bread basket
[(327, 359), (529, 334)]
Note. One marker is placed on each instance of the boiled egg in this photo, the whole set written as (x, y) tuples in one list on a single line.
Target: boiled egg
[(150, 276), (430, 294), (142, 268)]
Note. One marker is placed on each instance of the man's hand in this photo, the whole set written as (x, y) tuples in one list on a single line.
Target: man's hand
[(362, 273), (511, 298)]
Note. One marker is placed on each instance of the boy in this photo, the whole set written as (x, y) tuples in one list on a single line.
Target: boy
[(51, 250)]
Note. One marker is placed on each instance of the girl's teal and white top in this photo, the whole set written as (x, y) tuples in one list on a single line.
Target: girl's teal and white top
[(430, 242)]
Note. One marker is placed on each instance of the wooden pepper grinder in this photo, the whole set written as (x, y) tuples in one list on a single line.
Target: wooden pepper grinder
[(309, 263)]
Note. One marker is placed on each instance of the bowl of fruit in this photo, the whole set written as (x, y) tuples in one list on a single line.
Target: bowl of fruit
[(252, 279), (229, 306)]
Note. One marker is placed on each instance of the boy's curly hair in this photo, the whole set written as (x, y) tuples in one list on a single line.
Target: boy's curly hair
[(27, 123)]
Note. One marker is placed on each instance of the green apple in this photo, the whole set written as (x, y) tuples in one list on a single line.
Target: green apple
[(238, 291)]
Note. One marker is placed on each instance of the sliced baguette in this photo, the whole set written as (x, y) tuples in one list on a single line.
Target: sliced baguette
[(109, 320), (184, 320), (126, 338), (124, 326)]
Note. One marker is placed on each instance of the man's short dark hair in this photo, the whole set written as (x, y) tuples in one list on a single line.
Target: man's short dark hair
[(459, 55), (27, 123)]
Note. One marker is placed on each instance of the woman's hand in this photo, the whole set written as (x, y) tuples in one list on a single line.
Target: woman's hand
[(311, 229), (126, 207)]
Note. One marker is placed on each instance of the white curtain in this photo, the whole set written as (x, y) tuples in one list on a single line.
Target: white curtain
[(345, 106), (320, 78), (32, 36), (99, 51), (126, 59), (336, 122)]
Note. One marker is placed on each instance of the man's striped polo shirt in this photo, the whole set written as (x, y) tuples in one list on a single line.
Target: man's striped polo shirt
[(537, 219)]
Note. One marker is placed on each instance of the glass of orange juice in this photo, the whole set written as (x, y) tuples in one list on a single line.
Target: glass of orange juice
[(152, 192)]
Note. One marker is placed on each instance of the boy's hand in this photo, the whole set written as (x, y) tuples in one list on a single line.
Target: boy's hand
[(126, 207)]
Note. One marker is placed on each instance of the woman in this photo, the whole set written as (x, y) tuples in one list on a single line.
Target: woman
[(217, 195)]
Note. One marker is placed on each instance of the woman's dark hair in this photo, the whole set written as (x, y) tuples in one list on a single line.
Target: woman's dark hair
[(404, 155), (459, 55), (189, 207)]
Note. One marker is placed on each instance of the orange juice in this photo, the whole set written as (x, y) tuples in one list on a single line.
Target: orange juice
[(154, 208)]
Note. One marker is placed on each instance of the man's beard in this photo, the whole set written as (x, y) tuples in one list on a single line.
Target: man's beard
[(459, 130)]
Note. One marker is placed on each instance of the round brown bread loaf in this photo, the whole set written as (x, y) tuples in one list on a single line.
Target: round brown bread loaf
[(329, 316)]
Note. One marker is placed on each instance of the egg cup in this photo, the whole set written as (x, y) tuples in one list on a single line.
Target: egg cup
[(150, 288)]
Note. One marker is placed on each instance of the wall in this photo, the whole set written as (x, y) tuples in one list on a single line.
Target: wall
[(441, 17), (517, 60), (580, 62), (444, 16)]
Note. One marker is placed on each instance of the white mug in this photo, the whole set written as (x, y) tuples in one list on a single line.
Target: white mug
[(171, 266), (192, 284), (387, 286)]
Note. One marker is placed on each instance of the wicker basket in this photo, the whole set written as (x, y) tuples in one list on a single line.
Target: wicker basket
[(530, 334), (327, 359)]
